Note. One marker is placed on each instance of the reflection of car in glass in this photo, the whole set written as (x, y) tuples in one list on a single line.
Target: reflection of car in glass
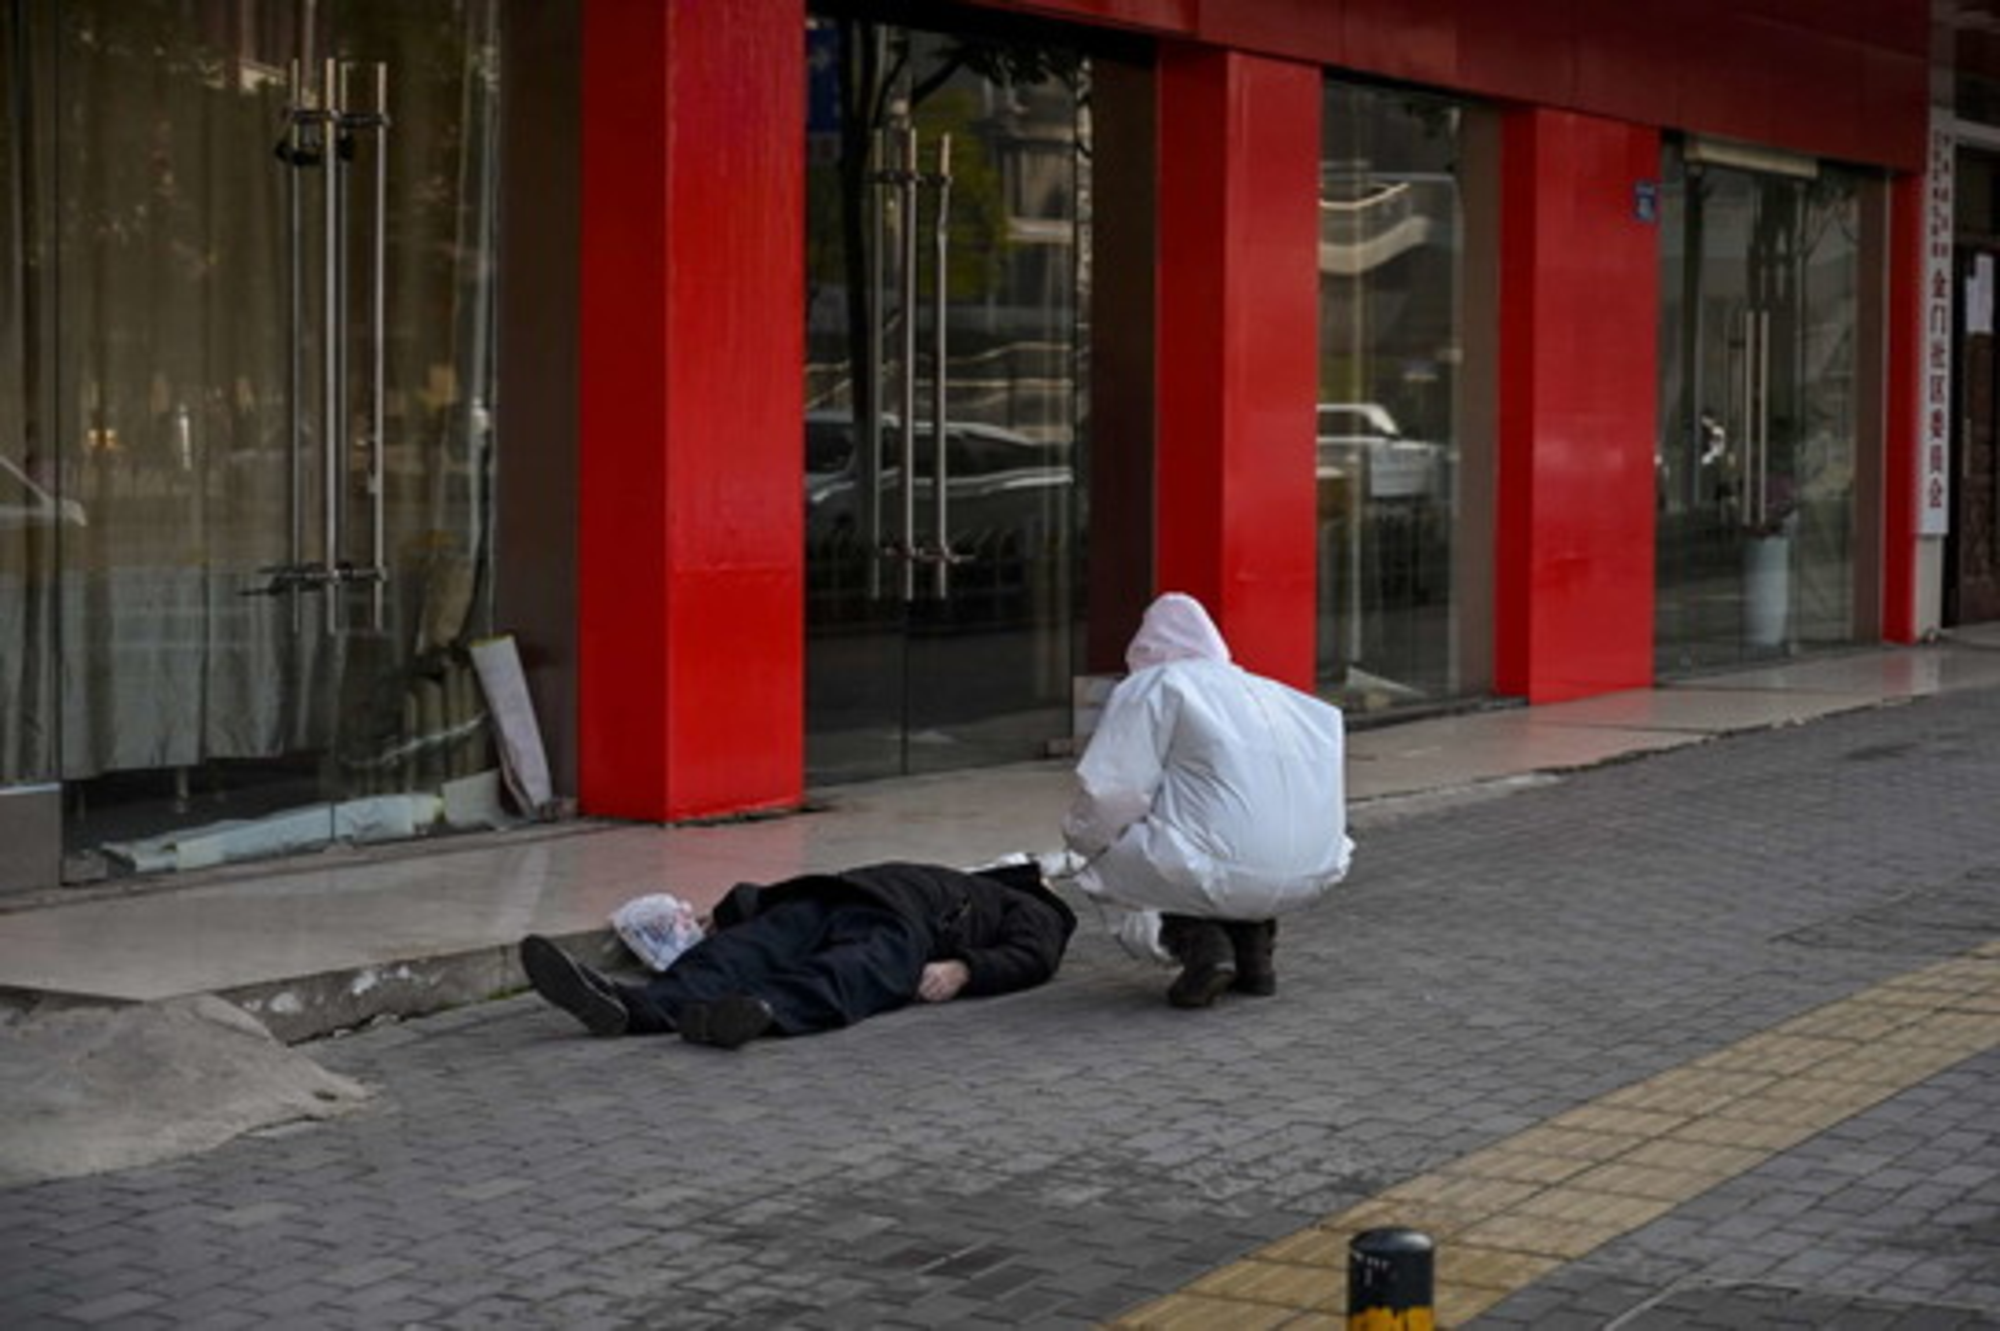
[(24, 503), (1361, 439), (997, 481)]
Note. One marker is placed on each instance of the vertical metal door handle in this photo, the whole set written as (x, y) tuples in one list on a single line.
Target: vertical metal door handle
[(295, 511), (941, 502), (332, 359), (868, 433), (378, 542), (319, 133), (1763, 318), (1743, 418), (906, 195)]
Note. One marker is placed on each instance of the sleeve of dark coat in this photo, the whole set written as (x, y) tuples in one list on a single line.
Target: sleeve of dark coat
[(1025, 952), (741, 904)]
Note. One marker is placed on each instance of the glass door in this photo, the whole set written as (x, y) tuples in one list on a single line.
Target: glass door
[(1392, 245), (265, 386), (1756, 463), (946, 217)]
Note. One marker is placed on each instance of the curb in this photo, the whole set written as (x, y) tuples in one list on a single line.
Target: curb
[(312, 1007)]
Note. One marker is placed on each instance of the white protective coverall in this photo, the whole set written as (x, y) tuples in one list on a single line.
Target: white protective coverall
[(1207, 790)]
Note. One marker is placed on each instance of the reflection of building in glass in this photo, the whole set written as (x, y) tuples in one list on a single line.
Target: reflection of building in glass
[(1013, 266), (1388, 256)]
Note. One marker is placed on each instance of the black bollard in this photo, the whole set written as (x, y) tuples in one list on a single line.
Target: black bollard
[(1389, 1281)]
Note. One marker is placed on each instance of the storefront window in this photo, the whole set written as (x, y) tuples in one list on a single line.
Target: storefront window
[(1391, 255), (246, 420)]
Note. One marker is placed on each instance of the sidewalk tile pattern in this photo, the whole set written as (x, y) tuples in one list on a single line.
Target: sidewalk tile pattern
[(1733, 987), (1510, 1213)]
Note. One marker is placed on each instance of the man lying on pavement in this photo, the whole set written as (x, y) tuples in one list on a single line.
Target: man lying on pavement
[(821, 951)]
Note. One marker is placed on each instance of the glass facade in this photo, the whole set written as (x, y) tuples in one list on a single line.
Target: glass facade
[(247, 398), (1759, 412), (1391, 257), (255, 242)]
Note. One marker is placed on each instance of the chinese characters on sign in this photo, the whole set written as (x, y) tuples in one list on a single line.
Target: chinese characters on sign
[(1934, 399)]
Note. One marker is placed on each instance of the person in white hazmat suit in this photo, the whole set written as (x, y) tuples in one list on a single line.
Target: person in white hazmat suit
[(1211, 796)]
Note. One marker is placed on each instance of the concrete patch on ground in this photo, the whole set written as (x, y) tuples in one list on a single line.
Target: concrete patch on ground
[(89, 1089)]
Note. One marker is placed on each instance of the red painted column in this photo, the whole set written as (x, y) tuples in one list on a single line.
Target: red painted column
[(1579, 310), (1900, 500), (691, 550), (1238, 337)]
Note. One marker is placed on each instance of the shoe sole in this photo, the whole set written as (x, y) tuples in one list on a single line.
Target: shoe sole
[(557, 977), (1200, 988)]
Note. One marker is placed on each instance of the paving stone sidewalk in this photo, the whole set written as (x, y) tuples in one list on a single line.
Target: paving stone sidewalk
[(1058, 1157)]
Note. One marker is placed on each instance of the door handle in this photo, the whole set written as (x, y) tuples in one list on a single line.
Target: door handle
[(1764, 416), (941, 257), (332, 355), (321, 133), (906, 180), (302, 148), (375, 122), (1757, 445)]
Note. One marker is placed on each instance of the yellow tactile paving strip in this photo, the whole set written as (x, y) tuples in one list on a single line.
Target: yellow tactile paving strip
[(1509, 1214)]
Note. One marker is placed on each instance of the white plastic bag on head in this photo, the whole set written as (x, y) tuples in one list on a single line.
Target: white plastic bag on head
[(658, 927)]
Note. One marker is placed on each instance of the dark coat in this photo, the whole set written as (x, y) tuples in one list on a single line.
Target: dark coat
[(1004, 923)]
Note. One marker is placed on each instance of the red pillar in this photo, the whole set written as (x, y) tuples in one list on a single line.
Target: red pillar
[(1908, 195), (1238, 337), (1579, 301), (691, 552)]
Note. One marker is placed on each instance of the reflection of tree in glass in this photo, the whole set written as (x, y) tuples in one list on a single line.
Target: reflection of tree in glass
[(883, 71)]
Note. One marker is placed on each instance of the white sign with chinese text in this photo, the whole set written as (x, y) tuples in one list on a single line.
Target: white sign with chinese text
[(1934, 402)]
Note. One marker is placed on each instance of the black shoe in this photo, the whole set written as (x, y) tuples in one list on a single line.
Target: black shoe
[(1200, 986), (574, 987), (1254, 941), (727, 1023), (1208, 965)]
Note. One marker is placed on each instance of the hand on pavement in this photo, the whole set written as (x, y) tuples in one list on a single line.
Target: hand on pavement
[(942, 980)]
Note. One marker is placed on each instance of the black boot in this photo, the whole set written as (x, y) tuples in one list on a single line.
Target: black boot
[(1207, 967), (730, 1022), (574, 987), (1254, 941)]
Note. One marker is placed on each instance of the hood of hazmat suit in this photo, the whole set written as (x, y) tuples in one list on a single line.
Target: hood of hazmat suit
[(1208, 790), (1175, 628)]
